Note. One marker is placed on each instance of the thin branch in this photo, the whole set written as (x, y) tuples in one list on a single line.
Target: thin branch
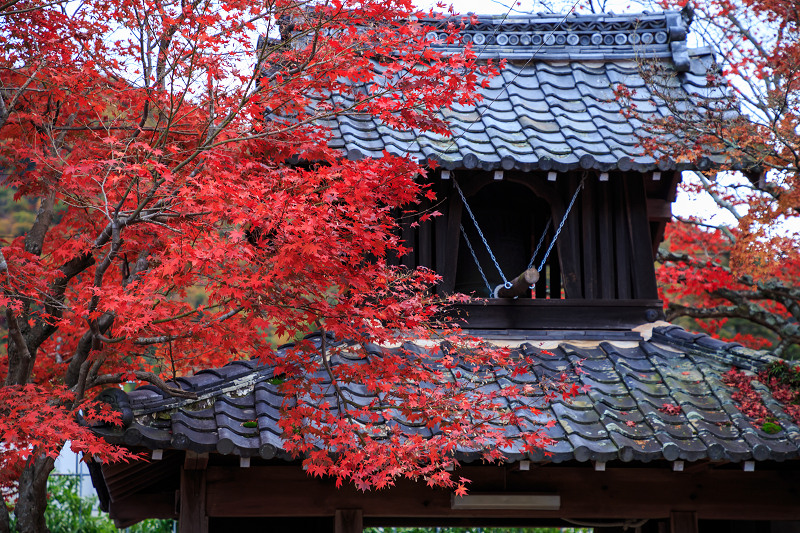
[(722, 228), (141, 375)]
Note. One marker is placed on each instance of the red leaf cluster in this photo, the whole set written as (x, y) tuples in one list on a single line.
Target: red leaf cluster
[(750, 401), (192, 211), (735, 267)]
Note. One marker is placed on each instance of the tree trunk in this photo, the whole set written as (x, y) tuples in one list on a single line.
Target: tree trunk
[(32, 499), (5, 519)]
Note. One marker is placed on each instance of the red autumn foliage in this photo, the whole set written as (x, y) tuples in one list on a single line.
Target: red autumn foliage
[(748, 400), (695, 280), (670, 409), (783, 382), (191, 210), (737, 272)]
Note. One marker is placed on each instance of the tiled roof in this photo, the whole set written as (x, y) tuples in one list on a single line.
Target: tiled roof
[(619, 417), (578, 36), (553, 107)]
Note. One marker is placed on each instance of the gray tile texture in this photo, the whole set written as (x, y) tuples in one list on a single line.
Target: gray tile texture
[(553, 106), (619, 417)]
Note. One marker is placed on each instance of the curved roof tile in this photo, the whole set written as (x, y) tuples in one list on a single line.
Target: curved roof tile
[(619, 417), (556, 91)]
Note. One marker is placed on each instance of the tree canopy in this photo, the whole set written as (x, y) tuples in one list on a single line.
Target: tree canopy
[(737, 273), (189, 209)]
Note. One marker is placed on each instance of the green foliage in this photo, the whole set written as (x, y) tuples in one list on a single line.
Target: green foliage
[(770, 428), (69, 512), (16, 217), (785, 373)]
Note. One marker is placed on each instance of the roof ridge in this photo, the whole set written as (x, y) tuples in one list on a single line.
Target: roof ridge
[(701, 344), (253, 372), (550, 36)]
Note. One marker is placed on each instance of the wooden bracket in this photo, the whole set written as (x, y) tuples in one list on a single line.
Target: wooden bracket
[(195, 461), (348, 521)]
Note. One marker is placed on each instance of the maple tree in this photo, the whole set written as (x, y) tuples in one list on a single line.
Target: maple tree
[(172, 160), (741, 266)]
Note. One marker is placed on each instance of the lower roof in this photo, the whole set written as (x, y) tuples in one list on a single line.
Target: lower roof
[(660, 397)]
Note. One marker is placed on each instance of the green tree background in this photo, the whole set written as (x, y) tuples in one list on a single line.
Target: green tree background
[(69, 512)]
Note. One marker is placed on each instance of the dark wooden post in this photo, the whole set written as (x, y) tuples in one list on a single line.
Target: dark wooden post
[(644, 277), (450, 244), (348, 521), (683, 522), (192, 518), (605, 243), (588, 215)]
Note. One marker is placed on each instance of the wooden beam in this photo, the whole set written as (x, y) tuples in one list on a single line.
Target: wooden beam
[(568, 243), (567, 314), (658, 209), (425, 245), (683, 522), (195, 461), (622, 252), (125, 479), (605, 243), (587, 211), (348, 521), (193, 517), (617, 493), (144, 505), (440, 234)]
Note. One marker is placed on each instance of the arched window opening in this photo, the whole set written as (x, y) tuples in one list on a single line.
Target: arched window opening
[(512, 220)]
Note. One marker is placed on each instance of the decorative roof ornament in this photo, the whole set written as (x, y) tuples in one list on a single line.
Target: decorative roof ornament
[(550, 37)]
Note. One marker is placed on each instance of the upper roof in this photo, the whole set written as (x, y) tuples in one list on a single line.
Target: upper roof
[(554, 106), (620, 416)]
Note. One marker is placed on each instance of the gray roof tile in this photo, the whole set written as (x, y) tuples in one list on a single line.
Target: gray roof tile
[(619, 417), (553, 103)]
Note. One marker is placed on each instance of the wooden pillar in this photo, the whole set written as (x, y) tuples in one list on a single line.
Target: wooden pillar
[(449, 247), (348, 521), (192, 517), (569, 242), (605, 242), (683, 522), (644, 273), (588, 215)]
